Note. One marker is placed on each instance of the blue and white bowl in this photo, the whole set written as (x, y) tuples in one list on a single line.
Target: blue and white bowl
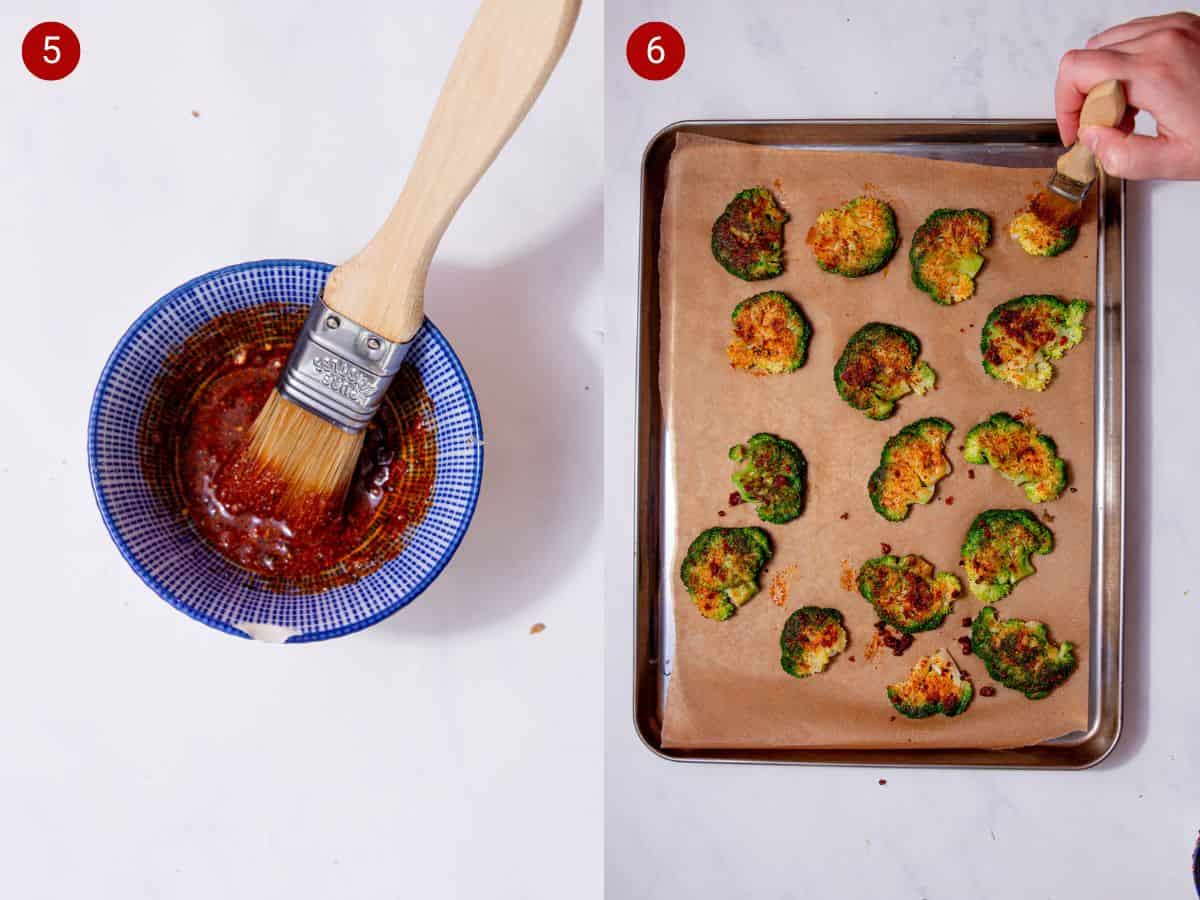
[(185, 571)]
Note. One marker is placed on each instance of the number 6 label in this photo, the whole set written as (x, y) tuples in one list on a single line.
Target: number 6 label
[(655, 51), (50, 51)]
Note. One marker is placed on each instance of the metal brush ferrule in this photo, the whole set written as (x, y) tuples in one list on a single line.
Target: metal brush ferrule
[(340, 370), (1068, 187)]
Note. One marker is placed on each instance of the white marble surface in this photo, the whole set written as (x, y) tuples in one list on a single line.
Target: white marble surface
[(442, 753), (1122, 830)]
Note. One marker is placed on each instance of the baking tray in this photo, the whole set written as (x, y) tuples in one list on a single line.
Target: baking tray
[(1003, 142)]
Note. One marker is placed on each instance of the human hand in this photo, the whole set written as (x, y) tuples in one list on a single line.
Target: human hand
[(1157, 59)]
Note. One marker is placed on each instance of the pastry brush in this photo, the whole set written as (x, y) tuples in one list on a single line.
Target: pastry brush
[(1075, 172), (308, 436)]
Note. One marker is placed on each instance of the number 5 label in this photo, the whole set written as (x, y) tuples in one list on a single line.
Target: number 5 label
[(655, 51), (50, 51)]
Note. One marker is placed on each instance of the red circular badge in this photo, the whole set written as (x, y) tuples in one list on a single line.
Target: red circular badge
[(50, 51), (655, 50)]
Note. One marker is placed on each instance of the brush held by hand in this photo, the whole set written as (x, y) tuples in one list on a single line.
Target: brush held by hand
[(309, 434), (1157, 59)]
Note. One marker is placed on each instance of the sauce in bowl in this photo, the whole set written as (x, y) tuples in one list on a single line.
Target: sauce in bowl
[(199, 419)]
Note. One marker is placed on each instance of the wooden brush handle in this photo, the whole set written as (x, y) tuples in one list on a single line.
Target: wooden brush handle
[(501, 67), (1105, 105)]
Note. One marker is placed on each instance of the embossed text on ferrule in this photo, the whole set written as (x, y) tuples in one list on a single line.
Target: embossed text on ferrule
[(346, 380)]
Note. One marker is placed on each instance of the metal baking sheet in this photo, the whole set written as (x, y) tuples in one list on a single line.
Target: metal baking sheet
[(1007, 142)]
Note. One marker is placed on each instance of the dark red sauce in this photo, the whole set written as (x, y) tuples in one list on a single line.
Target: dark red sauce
[(195, 429)]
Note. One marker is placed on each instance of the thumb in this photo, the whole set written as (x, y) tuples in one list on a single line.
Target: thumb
[(1133, 156)]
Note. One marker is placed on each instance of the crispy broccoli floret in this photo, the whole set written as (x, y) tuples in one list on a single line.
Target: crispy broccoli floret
[(770, 335), (856, 238), (1020, 453), (747, 239), (998, 549), (721, 569), (946, 253), (879, 366), (913, 461), (774, 476), (906, 592), (812, 636), (1039, 238), (935, 685), (1020, 654), (1022, 335)]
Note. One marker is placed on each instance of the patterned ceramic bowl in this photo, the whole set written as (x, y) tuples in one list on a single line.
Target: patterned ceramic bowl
[(164, 549)]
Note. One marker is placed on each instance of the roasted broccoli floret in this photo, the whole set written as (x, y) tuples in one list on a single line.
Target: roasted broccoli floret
[(1019, 452), (747, 239), (879, 366), (856, 238), (935, 685), (946, 253), (770, 335), (721, 569), (774, 476), (812, 636), (913, 461), (1022, 335), (1020, 654), (1039, 238), (906, 592), (998, 549)]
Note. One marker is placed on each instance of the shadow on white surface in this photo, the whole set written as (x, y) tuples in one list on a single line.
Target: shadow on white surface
[(522, 335), (1139, 457)]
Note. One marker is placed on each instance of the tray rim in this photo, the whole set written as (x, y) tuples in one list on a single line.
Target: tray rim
[(1108, 531)]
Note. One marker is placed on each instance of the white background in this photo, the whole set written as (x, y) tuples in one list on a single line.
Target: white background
[(1125, 829), (442, 753)]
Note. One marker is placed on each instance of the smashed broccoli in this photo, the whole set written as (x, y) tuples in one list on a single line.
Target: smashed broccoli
[(913, 461), (1020, 654), (935, 685), (1022, 335), (1039, 238), (812, 636), (946, 253), (856, 238), (770, 335), (774, 476), (721, 569), (1019, 452), (906, 592), (879, 366), (998, 549), (747, 239)]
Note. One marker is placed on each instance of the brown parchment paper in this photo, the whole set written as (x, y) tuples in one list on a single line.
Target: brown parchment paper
[(727, 688)]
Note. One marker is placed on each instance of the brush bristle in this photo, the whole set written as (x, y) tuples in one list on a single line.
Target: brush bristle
[(313, 459), (1054, 210)]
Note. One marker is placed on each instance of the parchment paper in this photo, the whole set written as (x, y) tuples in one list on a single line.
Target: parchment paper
[(727, 688)]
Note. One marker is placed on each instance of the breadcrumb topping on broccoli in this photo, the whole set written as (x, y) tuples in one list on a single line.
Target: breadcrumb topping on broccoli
[(747, 238), (770, 335), (1019, 452), (907, 593), (1020, 653), (1039, 238), (946, 253), (935, 685), (1021, 336), (773, 476), (856, 238), (912, 463), (879, 366), (997, 552), (812, 636), (721, 568)]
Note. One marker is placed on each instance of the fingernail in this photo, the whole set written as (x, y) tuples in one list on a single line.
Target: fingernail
[(1089, 138)]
